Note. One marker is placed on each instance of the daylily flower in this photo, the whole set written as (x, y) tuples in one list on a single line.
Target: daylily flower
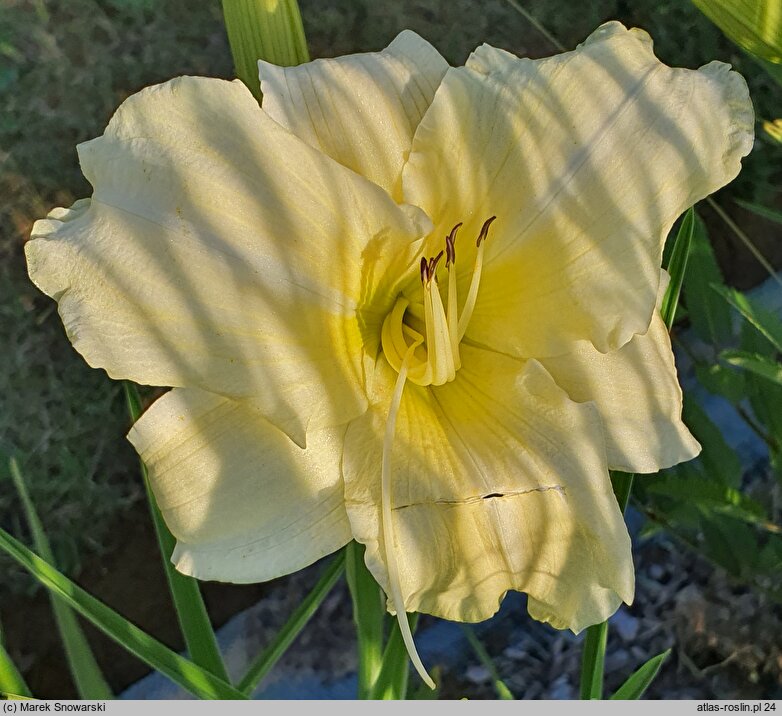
[(401, 303)]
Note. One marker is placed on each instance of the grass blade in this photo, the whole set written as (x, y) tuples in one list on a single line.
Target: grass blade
[(11, 681), (754, 250), (391, 682), (639, 680), (503, 692), (87, 676), (752, 25), (369, 608), (186, 674), (593, 661), (764, 321), (298, 620), (186, 594), (760, 210), (677, 267), (757, 364), (263, 29)]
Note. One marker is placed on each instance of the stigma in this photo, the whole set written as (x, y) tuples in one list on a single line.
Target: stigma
[(429, 332)]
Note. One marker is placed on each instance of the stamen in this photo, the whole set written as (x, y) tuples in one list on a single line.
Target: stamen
[(472, 293), (452, 318), (438, 340), (394, 583), (450, 250), (433, 265)]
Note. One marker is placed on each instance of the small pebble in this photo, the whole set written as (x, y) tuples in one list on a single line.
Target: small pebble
[(477, 674), (561, 689), (517, 653), (625, 625)]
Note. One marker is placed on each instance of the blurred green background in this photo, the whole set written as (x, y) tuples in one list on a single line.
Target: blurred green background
[(65, 67)]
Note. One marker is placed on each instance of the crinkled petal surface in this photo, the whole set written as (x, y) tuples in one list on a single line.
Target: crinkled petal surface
[(491, 492), (220, 251), (586, 158), (361, 110), (245, 503), (637, 392)]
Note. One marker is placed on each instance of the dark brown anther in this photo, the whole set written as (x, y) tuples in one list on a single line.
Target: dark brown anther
[(450, 249), (484, 230), (424, 270), (433, 265)]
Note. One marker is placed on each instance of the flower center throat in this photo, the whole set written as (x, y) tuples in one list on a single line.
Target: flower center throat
[(429, 332)]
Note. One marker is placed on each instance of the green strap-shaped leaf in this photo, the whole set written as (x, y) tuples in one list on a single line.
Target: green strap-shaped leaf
[(677, 267), (500, 687), (764, 211), (757, 364), (391, 682), (593, 662), (765, 321), (298, 620), (710, 317), (755, 25), (639, 681), (186, 594), (263, 29), (11, 680), (369, 610), (87, 676), (186, 674)]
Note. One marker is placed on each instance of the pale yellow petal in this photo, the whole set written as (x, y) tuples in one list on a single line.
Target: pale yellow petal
[(499, 481), (219, 251), (245, 503), (586, 158), (637, 392), (361, 110)]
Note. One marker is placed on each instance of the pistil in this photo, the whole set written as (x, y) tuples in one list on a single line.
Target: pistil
[(432, 359)]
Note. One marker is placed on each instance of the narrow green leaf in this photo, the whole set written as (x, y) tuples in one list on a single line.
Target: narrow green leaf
[(11, 680), (767, 322), (760, 210), (755, 25), (765, 396), (705, 492), (87, 676), (721, 380), (593, 661), (622, 482), (709, 316), (188, 675), (502, 690), (391, 682), (720, 462), (757, 364), (639, 681), (731, 543), (369, 608), (677, 267), (270, 30), (186, 594), (297, 621)]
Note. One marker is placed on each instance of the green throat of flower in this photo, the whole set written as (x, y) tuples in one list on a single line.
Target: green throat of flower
[(421, 342)]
